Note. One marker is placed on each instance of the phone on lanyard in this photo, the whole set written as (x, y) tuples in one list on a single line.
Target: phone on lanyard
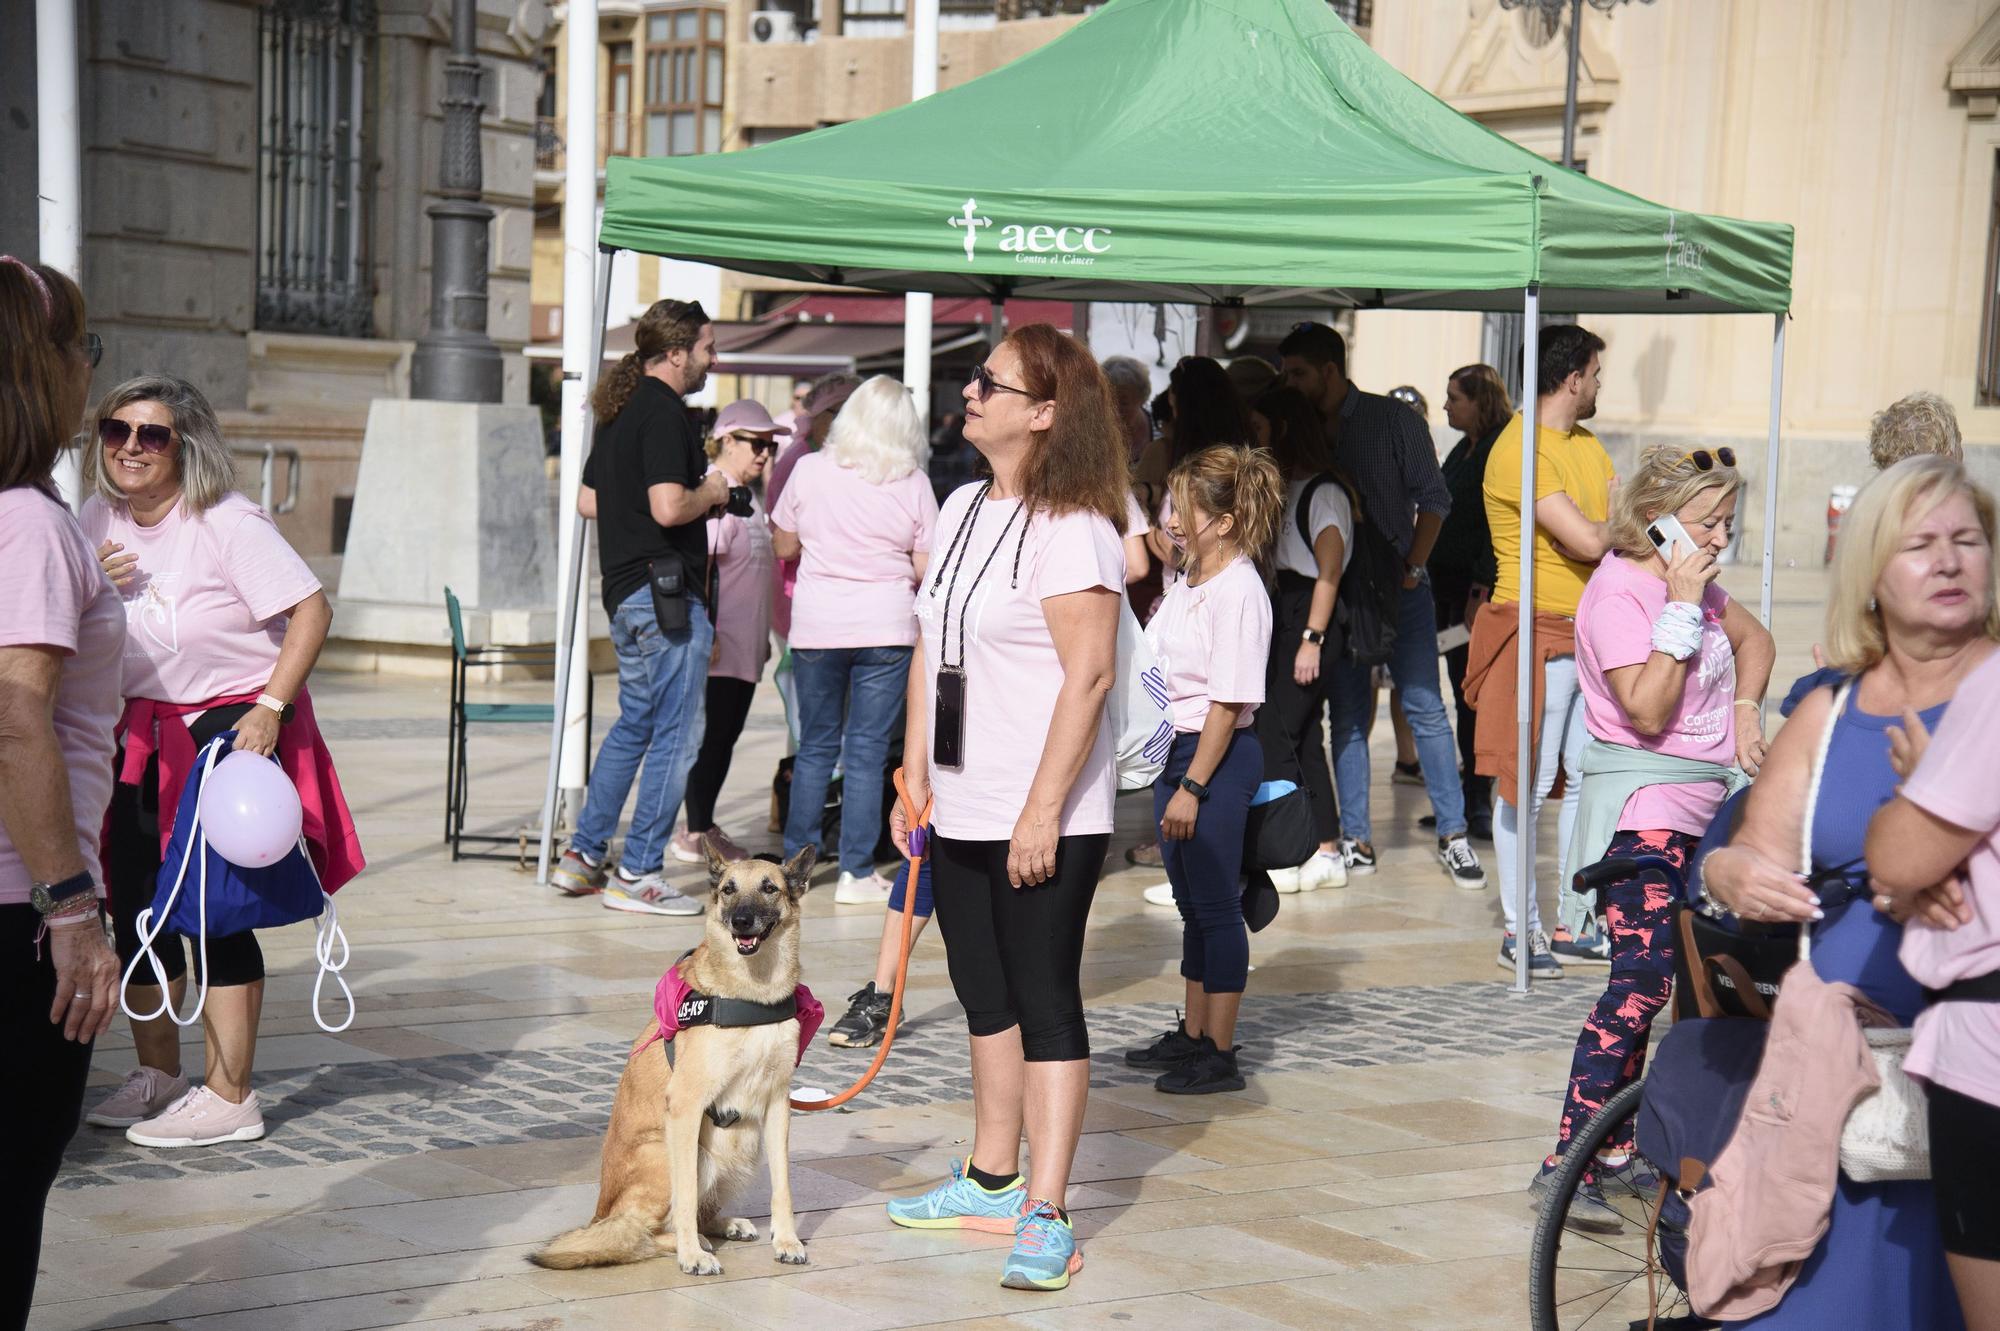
[(948, 742), (1665, 533)]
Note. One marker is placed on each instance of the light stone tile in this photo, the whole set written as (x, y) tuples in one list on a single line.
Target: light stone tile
[(1444, 1230), (1161, 1312), (1480, 1294)]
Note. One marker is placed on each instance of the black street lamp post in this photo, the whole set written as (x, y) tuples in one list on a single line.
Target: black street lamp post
[(1552, 11)]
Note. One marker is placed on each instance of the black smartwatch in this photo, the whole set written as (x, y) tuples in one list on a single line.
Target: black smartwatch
[(1194, 788), (50, 898)]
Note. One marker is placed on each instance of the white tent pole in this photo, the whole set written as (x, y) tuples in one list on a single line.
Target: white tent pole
[(567, 737), (918, 305), (1524, 680), (1771, 447)]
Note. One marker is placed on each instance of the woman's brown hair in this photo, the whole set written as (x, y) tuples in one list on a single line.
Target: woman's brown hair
[(1079, 461), (41, 329), (1483, 387), (1237, 482), (667, 325)]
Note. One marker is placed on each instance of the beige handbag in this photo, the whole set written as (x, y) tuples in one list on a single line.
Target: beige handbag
[(1887, 1134)]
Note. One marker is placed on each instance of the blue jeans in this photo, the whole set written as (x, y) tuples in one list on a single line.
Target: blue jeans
[(661, 680), (1414, 668), (850, 703)]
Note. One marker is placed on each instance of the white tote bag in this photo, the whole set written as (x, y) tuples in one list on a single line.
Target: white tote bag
[(1136, 711)]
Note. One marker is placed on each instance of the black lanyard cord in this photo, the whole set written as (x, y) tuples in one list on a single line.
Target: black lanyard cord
[(944, 628), (961, 538)]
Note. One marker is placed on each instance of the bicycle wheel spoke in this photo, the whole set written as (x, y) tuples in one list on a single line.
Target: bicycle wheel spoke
[(1592, 1293)]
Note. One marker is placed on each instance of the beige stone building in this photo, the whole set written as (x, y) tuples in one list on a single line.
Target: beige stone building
[(1870, 127)]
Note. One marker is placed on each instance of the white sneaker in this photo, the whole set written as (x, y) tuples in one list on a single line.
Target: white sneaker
[(873, 890), (1160, 894), (1327, 868), (1287, 881), (201, 1118)]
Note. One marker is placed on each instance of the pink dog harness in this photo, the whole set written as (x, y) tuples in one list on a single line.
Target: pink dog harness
[(677, 1006)]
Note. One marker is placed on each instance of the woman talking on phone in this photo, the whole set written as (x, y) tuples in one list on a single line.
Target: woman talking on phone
[(1018, 614), (1672, 672)]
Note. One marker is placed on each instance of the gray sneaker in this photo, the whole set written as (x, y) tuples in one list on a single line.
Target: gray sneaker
[(1542, 963), (575, 876), (648, 894)]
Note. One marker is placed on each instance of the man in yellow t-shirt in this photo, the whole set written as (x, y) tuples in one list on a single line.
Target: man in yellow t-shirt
[(1573, 480)]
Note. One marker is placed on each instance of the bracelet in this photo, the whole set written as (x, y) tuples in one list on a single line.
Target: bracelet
[(68, 918), (1750, 702)]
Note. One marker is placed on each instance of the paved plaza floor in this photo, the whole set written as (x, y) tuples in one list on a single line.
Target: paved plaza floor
[(1371, 1176)]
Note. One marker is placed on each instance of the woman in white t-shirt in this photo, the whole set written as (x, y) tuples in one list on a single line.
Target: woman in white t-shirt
[(1006, 728), (1212, 638), (1305, 640), (224, 622)]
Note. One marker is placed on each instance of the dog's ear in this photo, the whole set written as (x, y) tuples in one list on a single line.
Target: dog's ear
[(798, 871), (717, 866)]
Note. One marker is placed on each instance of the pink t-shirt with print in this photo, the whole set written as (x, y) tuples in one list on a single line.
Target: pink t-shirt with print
[(55, 594), (743, 564), (1213, 643), (856, 583), (1957, 1045), (206, 613), (1614, 628), (1012, 672)]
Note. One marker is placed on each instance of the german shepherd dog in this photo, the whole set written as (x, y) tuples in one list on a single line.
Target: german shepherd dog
[(669, 1165)]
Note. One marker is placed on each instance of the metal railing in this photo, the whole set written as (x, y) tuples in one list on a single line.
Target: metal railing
[(268, 457)]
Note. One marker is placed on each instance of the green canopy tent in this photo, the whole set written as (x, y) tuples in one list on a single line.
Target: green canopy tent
[(1240, 152)]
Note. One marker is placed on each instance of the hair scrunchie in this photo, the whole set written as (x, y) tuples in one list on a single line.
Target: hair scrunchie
[(1677, 632)]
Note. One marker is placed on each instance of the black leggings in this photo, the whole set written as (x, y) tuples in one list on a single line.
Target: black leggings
[(1016, 954), (132, 861), (728, 708), (1289, 723), (41, 1116), (1964, 1177)]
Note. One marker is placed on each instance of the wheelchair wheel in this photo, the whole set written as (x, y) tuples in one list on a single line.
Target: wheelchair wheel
[(1590, 1272)]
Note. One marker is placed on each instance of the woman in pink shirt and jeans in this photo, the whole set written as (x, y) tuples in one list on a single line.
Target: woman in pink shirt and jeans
[(858, 516)]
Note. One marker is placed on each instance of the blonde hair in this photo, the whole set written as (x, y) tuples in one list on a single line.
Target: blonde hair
[(1237, 482), (878, 433), (1871, 531), (1666, 482), (202, 463), (1911, 427)]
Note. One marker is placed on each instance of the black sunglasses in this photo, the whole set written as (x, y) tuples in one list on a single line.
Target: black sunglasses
[(985, 385), (93, 349), (1705, 461), (152, 438), (759, 444)]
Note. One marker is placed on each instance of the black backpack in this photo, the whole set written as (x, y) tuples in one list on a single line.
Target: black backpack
[(1370, 588)]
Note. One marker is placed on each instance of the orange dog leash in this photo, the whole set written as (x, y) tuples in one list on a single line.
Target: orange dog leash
[(919, 823)]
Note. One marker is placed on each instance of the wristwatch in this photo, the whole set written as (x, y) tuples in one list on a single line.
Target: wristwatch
[(276, 704), (1194, 788), (53, 898), (1313, 636)]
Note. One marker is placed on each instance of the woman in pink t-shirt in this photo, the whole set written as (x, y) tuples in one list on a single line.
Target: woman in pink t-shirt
[(1212, 639), (224, 624), (857, 515), (1006, 729), (1671, 672), (60, 635), (740, 445)]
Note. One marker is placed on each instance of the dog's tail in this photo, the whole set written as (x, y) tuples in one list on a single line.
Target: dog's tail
[(612, 1241)]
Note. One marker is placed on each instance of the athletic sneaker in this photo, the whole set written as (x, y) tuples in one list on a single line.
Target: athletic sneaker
[(687, 846), (852, 890), (1327, 868), (1144, 857), (960, 1203), (1587, 949), (1407, 774), (1045, 1254), (1359, 856), (577, 876), (1169, 1051), (1588, 1211), (1285, 881), (1455, 854), (1542, 963), (1208, 1071), (201, 1118), (1629, 1172), (867, 1017), (1160, 894), (648, 894), (146, 1092)]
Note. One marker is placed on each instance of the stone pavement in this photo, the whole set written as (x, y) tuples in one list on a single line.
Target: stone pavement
[(1371, 1176)]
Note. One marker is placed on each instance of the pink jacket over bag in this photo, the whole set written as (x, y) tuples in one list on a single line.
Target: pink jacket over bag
[(1773, 1184)]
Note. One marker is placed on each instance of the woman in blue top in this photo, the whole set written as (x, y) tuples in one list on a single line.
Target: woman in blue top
[(1912, 611)]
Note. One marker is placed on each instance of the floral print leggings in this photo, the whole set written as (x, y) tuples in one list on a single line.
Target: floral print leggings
[(1639, 915)]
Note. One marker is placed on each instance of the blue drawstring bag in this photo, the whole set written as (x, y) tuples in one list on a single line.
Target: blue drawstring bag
[(199, 893)]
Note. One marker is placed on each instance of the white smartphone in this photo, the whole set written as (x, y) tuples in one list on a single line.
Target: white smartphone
[(1666, 532)]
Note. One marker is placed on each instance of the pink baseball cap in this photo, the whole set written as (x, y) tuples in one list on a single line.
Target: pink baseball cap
[(749, 416)]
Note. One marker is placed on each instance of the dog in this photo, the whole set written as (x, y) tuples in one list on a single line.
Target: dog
[(685, 1136)]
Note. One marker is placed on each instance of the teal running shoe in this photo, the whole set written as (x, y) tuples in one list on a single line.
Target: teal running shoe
[(1045, 1254), (960, 1203)]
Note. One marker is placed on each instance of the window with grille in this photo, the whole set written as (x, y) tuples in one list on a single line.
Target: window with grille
[(314, 188), (684, 59)]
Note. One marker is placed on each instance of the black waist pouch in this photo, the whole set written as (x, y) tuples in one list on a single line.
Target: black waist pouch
[(670, 594)]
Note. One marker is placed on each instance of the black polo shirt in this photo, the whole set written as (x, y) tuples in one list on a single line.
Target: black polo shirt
[(652, 442)]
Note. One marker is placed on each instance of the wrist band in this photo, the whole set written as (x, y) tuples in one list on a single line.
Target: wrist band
[(68, 918), (1750, 702), (1677, 632)]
